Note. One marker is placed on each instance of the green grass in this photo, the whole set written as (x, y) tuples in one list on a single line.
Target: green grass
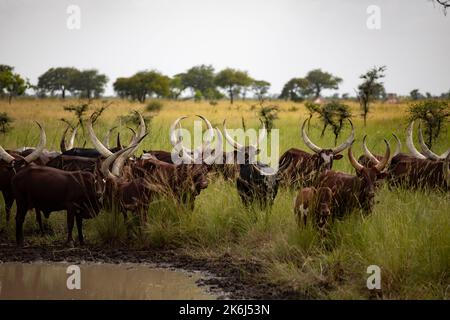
[(407, 234)]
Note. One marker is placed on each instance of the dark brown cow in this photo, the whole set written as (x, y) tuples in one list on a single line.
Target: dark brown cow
[(314, 203), (48, 189), (417, 169), (298, 167), (349, 191), (73, 163), (13, 162), (128, 194)]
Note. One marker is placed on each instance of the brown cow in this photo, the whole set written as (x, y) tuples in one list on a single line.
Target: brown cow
[(298, 167), (49, 189), (349, 191), (13, 162), (316, 203)]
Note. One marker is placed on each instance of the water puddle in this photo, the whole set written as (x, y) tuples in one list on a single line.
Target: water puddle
[(97, 281)]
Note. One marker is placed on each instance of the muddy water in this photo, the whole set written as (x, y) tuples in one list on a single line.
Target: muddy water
[(98, 281)]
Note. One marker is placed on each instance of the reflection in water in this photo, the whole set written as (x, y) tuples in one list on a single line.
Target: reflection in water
[(98, 281)]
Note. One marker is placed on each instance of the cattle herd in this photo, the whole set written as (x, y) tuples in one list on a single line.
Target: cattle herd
[(82, 181)]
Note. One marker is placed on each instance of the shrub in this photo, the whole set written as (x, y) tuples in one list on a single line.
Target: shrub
[(154, 106), (269, 114), (5, 122)]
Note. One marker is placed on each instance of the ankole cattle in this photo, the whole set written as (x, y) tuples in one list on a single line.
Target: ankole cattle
[(354, 191), (257, 182), (10, 164), (314, 204), (298, 167), (417, 169), (48, 189)]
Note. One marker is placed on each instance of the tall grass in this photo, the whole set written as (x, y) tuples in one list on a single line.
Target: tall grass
[(407, 235)]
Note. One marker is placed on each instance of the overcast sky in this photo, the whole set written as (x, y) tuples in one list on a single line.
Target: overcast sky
[(273, 40)]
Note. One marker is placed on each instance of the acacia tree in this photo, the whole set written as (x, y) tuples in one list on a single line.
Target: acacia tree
[(232, 80), (200, 79), (296, 89), (444, 3), (260, 89), (370, 88), (89, 83), (11, 84), (319, 80), (58, 79), (142, 85), (433, 114)]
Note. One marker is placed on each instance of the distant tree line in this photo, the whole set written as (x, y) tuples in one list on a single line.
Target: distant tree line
[(198, 83)]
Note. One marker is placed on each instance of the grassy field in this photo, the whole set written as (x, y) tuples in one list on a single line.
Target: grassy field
[(407, 235)]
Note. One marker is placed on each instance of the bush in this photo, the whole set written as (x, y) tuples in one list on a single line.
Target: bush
[(433, 113), (269, 115), (5, 122), (154, 106)]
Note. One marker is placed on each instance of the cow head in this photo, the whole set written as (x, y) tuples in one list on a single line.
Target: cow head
[(203, 154), (324, 157), (368, 177), (15, 161)]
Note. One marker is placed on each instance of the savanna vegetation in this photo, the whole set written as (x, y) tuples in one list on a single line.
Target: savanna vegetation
[(406, 235)]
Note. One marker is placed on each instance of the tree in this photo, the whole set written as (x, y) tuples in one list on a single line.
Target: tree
[(319, 80), (11, 84), (296, 89), (445, 4), (142, 85), (89, 83), (370, 88), (332, 114), (433, 113), (199, 78), (58, 79), (176, 87), (269, 114), (260, 88), (233, 81), (415, 95)]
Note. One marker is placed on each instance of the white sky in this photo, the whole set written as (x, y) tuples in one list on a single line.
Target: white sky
[(273, 40)]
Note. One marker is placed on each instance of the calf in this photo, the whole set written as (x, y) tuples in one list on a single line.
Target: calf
[(316, 203)]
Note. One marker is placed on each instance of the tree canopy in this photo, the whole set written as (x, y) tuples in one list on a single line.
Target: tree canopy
[(142, 85), (11, 84), (58, 80), (319, 80), (233, 81)]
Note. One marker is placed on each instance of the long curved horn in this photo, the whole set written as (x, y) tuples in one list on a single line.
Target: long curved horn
[(218, 150), (398, 148), (308, 141), (72, 138), (62, 144), (229, 139), (133, 136), (382, 164), (142, 130), (107, 137), (353, 161), (425, 150), (368, 153), (97, 144), (120, 160), (173, 139), (5, 156), (40, 147), (108, 161), (347, 143), (410, 142), (119, 144)]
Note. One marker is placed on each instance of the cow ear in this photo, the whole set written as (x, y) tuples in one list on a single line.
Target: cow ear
[(338, 157)]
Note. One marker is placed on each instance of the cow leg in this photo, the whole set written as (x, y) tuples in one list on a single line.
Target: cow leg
[(9, 200), (70, 223), (20, 218), (39, 221), (80, 229)]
